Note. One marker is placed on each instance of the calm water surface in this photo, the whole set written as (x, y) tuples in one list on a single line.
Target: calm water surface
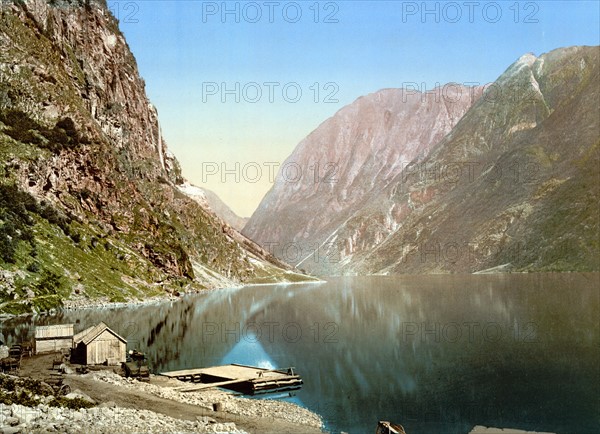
[(438, 354)]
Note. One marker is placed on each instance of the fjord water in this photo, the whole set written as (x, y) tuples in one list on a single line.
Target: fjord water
[(437, 353)]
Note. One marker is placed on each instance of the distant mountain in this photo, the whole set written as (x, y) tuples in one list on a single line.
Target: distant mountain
[(514, 186), (348, 159), (210, 200), (89, 203)]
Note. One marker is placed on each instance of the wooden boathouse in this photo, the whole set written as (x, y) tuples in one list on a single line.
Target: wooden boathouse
[(99, 345), (249, 380)]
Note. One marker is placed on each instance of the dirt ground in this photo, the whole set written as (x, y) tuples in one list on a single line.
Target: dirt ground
[(40, 367)]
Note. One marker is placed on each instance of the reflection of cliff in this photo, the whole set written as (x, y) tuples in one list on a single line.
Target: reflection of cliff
[(171, 333), (192, 332)]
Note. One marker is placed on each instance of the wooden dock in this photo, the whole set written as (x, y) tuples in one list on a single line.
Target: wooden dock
[(249, 380)]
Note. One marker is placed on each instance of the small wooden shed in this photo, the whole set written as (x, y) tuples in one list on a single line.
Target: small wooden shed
[(53, 338), (98, 345)]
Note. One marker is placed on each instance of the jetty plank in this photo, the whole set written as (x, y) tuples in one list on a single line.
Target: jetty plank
[(241, 378)]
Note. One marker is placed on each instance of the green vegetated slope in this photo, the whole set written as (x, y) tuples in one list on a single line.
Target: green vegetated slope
[(89, 204)]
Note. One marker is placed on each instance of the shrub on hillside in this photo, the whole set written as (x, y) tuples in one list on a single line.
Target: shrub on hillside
[(26, 130), (15, 222)]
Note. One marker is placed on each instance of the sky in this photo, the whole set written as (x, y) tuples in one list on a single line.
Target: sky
[(239, 84)]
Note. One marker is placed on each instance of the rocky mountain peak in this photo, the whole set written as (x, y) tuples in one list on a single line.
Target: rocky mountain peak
[(507, 182)]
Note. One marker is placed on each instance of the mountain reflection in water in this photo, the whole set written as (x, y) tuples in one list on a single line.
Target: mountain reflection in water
[(437, 353)]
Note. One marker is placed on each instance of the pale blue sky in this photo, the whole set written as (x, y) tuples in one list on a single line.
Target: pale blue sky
[(183, 47)]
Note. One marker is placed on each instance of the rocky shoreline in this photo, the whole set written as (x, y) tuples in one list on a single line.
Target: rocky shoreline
[(105, 303), (229, 403), (106, 403), (104, 419)]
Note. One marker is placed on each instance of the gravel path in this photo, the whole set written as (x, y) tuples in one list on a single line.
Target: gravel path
[(230, 404)]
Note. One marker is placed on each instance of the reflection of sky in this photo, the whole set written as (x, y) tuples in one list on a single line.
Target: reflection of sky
[(249, 351)]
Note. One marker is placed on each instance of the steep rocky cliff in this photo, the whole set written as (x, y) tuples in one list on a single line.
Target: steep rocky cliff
[(514, 185), (89, 204), (531, 200), (345, 161)]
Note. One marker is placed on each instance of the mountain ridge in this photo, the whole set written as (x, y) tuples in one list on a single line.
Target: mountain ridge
[(395, 229), (209, 199)]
